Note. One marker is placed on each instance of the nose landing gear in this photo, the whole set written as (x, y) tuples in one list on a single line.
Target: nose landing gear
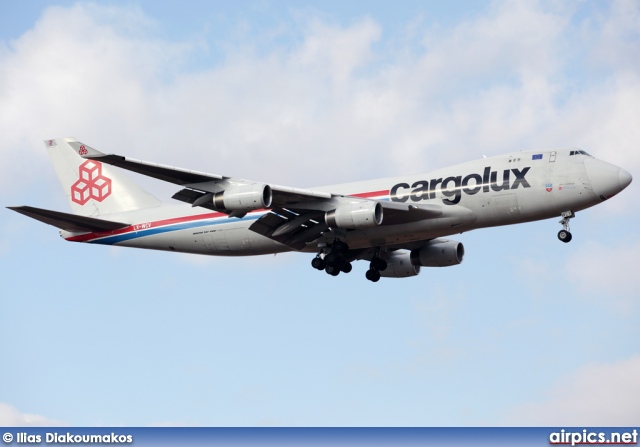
[(564, 235)]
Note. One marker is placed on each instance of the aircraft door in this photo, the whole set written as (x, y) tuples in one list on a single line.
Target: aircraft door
[(552, 157)]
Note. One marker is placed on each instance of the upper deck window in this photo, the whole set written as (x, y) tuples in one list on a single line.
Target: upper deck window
[(578, 152)]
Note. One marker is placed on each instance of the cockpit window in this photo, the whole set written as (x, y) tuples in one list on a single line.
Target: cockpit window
[(578, 153)]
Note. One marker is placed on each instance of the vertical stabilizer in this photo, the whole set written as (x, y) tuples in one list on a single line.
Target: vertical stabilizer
[(94, 188)]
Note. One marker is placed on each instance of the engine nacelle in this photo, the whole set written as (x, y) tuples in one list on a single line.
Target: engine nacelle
[(243, 197), (399, 265), (355, 215), (439, 253)]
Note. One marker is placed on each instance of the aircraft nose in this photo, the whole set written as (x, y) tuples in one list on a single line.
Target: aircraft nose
[(625, 178), (606, 179)]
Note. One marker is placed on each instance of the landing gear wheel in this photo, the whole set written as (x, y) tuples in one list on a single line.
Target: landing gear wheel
[(345, 267), (378, 264), (331, 270), (373, 275), (564, 236), (318, 263), (332, 258)]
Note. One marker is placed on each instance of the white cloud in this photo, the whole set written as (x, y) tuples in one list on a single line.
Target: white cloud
[(341, 102), (607, 273), (73, 72), (336, 50), (617, 43), (594, 395), (529, 271), (12, 417)]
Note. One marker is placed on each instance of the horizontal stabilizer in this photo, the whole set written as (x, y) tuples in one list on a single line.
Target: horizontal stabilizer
[(68, 222)]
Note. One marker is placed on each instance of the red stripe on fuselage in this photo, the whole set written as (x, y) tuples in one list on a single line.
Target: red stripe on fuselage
[(366, 195)]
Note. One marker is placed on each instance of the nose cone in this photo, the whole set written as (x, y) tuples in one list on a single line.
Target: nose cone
[(625, 179), (606, 179)]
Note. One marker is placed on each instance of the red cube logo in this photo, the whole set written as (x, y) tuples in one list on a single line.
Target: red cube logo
[(91, 184), (80, 192)]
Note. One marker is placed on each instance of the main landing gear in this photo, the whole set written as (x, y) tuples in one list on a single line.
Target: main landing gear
[(333, 262), (377, 265), (564, 235)]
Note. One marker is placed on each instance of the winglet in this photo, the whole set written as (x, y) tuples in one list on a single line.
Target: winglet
[(84, 150)]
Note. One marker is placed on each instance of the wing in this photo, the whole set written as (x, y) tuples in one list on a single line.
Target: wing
[(295, 217)]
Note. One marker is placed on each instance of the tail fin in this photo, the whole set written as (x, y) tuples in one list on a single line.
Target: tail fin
[(93, 188)]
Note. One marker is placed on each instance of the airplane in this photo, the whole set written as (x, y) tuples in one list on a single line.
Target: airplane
[(397, 224)]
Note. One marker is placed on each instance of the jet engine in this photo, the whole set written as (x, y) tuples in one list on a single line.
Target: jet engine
[(399, 265), (355, 215), (243, 197), (438, 253)]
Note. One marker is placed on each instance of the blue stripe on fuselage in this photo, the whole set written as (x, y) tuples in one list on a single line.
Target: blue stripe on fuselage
[(110, 240)]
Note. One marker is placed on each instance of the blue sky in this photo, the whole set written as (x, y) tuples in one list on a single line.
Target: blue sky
[(527, 331)]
